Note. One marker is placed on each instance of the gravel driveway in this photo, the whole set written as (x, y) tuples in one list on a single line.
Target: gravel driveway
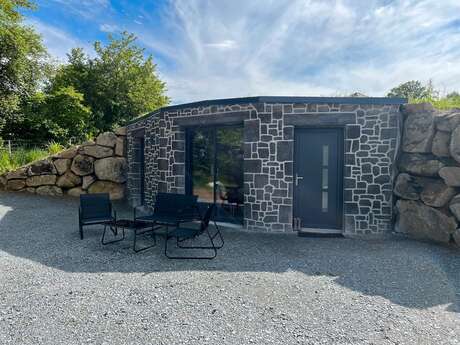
[(261, 289)]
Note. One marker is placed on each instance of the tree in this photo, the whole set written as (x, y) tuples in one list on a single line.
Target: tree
[(23, 60), (453, 95), (59, 116), (118, 84), (413, 89)]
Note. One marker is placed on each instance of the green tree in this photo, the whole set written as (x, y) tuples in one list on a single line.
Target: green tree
[(59, 116), (118, 84), (23, 60), (413, 89)]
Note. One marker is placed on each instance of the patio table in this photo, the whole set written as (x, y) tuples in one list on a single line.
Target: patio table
[(138, 226)]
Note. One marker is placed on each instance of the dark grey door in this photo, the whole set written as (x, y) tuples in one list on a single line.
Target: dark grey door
[(318, 176)]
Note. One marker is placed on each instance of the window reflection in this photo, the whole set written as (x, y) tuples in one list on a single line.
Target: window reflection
[(203, 165), (217, 169)]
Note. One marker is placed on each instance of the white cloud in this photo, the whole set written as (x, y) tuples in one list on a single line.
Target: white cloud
[(225, 44), (58, 41), (108, 28), (305, 47), (89, 9), (219, 49)]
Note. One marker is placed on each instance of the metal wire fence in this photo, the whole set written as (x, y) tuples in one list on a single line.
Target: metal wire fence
[(10, 146)]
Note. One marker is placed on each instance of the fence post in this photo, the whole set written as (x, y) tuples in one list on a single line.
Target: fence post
[(9, 147)]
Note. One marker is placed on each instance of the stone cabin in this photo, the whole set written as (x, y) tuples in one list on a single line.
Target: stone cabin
[(313, 164)]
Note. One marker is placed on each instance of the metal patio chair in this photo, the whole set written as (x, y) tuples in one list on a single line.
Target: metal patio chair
[(97, 209), (184, 233), (170, 210)]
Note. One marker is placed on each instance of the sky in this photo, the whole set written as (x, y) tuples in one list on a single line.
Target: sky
[(238, 48)]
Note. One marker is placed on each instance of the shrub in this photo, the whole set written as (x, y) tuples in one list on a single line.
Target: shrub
[(54, 147)]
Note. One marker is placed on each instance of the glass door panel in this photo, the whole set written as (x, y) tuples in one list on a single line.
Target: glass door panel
[(216, 164), (203, 164), (229, 173)]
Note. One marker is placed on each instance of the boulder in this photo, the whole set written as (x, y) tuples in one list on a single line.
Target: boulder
[(62, 165), (20, 173), (107, 139), (87, 181), (436, 193), (120, 131), (441, 141), (15, 184), (120, 147), (111, 169), (76, 192), (456, 237), (68, 180), (454, 206), (419, 128), (454, 146), (43, 167), (115, 190), (49, 190), (97, 151), (448, 121), (450, 175), (407, 187), (423, 222), (30, 190), (88, 143), (67, 154), (3, 182), (417, 164), (82, 165), (41, 180)]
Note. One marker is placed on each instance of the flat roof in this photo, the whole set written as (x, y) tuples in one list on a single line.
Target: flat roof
[(279, 99)]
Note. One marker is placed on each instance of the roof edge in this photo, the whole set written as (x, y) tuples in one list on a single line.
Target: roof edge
[(278, 99)]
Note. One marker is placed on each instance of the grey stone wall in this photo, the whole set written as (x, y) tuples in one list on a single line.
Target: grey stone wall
[(93, 167), (371, 139), (428, 186)]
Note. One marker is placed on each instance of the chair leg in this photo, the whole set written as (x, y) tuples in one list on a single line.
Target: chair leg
[(178, 240), (81, 231), (211, 237), (152, 231), (114, 232), (218, 233)]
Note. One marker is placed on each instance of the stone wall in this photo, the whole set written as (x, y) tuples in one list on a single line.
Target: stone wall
[(428, 185), (371, 134), (93, 167)]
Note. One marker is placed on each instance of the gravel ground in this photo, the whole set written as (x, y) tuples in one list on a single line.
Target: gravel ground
[(261, 289)]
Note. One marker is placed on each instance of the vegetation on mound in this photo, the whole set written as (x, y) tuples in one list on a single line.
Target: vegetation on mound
[(22, 156)]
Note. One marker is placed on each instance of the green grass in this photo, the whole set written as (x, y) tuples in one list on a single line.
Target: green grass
[(23, 156), (440, 104)]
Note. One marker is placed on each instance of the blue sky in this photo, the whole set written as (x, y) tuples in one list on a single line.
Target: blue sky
[(219, 49)]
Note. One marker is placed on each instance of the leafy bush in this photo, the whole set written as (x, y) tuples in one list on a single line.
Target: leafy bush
[(54, 147), (441, 103)]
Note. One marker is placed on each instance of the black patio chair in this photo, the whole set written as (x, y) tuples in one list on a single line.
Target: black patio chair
[(171, 209), (183, 233), (97, 209)]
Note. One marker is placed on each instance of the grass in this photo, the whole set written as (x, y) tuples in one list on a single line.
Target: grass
[(23, 156), (441, 103)]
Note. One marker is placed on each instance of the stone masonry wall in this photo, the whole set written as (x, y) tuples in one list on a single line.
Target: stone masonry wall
[(371, 140), (428, 186), (93, 167)]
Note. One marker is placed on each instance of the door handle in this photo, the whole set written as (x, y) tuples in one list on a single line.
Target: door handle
[(297, 179)]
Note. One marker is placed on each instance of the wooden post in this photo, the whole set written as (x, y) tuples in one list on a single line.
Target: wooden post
[(9, 147)]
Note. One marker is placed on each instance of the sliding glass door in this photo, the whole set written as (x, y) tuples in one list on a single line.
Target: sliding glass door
[(215, 169)]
